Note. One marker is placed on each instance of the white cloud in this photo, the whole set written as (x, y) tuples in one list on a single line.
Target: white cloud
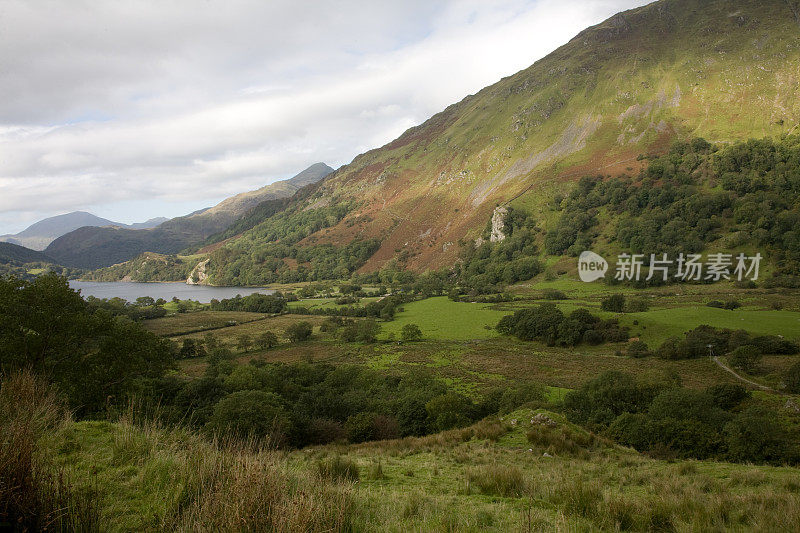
[(147, 104)]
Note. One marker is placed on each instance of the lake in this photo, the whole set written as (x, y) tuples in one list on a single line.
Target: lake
[(131, 290)]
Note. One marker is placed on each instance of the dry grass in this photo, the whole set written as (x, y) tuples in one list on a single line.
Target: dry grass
[(34, 495)]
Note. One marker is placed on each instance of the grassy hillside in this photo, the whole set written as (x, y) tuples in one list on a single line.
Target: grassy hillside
[(676, 68), (603, 104), (530, 470)]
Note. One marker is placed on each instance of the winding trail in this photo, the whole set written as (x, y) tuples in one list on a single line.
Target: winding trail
[(728, 369)]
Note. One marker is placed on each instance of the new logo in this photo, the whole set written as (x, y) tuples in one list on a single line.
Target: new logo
[(591, 266)]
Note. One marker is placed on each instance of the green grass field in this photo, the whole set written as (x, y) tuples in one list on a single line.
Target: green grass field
[(443, 319)]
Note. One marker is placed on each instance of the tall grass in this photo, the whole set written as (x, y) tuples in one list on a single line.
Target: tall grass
[(34, 494)]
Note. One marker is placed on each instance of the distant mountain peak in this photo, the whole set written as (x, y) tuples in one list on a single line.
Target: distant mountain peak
[(40, 234)]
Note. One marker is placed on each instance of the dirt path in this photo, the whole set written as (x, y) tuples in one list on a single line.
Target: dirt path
[(728, 369)]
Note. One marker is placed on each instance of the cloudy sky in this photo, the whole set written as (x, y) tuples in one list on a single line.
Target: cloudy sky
[(135, 109)]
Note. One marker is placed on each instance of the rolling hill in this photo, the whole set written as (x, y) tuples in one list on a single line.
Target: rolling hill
[(93, 247), (603, 103), (39, 235)]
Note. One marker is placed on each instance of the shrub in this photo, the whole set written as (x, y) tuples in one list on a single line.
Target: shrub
[(250, 414), (521, 395), (361, 331), (411, 332), (325, 431), (553, 294), (601, 400), (593, 337), (244, 342), (614, 303), (449, 410), (727, 395), (299, 331), (670, 349), (360, 427), (745, 358), (792, 378), (637, 305), (638, 349), (773, 344), (757, 435), (267, 340)]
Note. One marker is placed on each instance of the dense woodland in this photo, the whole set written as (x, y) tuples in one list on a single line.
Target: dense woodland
[(744, 196)]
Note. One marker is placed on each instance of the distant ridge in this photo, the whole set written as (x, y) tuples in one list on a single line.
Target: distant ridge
[(95, 247), (40, 234)]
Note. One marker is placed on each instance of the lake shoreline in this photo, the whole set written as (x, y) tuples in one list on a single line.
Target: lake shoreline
[(131, 290)]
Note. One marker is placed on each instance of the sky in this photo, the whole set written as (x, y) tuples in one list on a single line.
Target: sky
[(136, 109)]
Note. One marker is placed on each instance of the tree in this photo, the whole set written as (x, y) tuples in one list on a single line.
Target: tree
[(299, 331), (94, 357), (411, 333), (449, 410), (244, 342), (757, 435), (250, 413), (267, 340), (191, 348), (145, 301)]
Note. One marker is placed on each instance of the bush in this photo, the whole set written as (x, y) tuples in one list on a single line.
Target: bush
[(325, 431), (637, 305), (792, 378), (727, 395), (614, 303), (244, 342), (757, 435), (361, 331), (745, 358), (250, 414), (601, 400), (553, 294), (773, 344), (299, 331), (670, 349), (411, 332), (638, 349), (449, 410), (360, 427), (267, 340)]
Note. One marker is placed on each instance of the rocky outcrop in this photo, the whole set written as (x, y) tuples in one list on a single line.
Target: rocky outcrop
[(198, 275), (498, 224)]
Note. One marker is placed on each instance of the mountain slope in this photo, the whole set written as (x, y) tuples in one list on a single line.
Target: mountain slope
[(39, 235), (12, 253), (723, 70), (93, 247)]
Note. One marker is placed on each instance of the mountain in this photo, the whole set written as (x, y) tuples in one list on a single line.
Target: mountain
[(147, 224), (613, 95), (13, 253), (95, 247), (39, 235)]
